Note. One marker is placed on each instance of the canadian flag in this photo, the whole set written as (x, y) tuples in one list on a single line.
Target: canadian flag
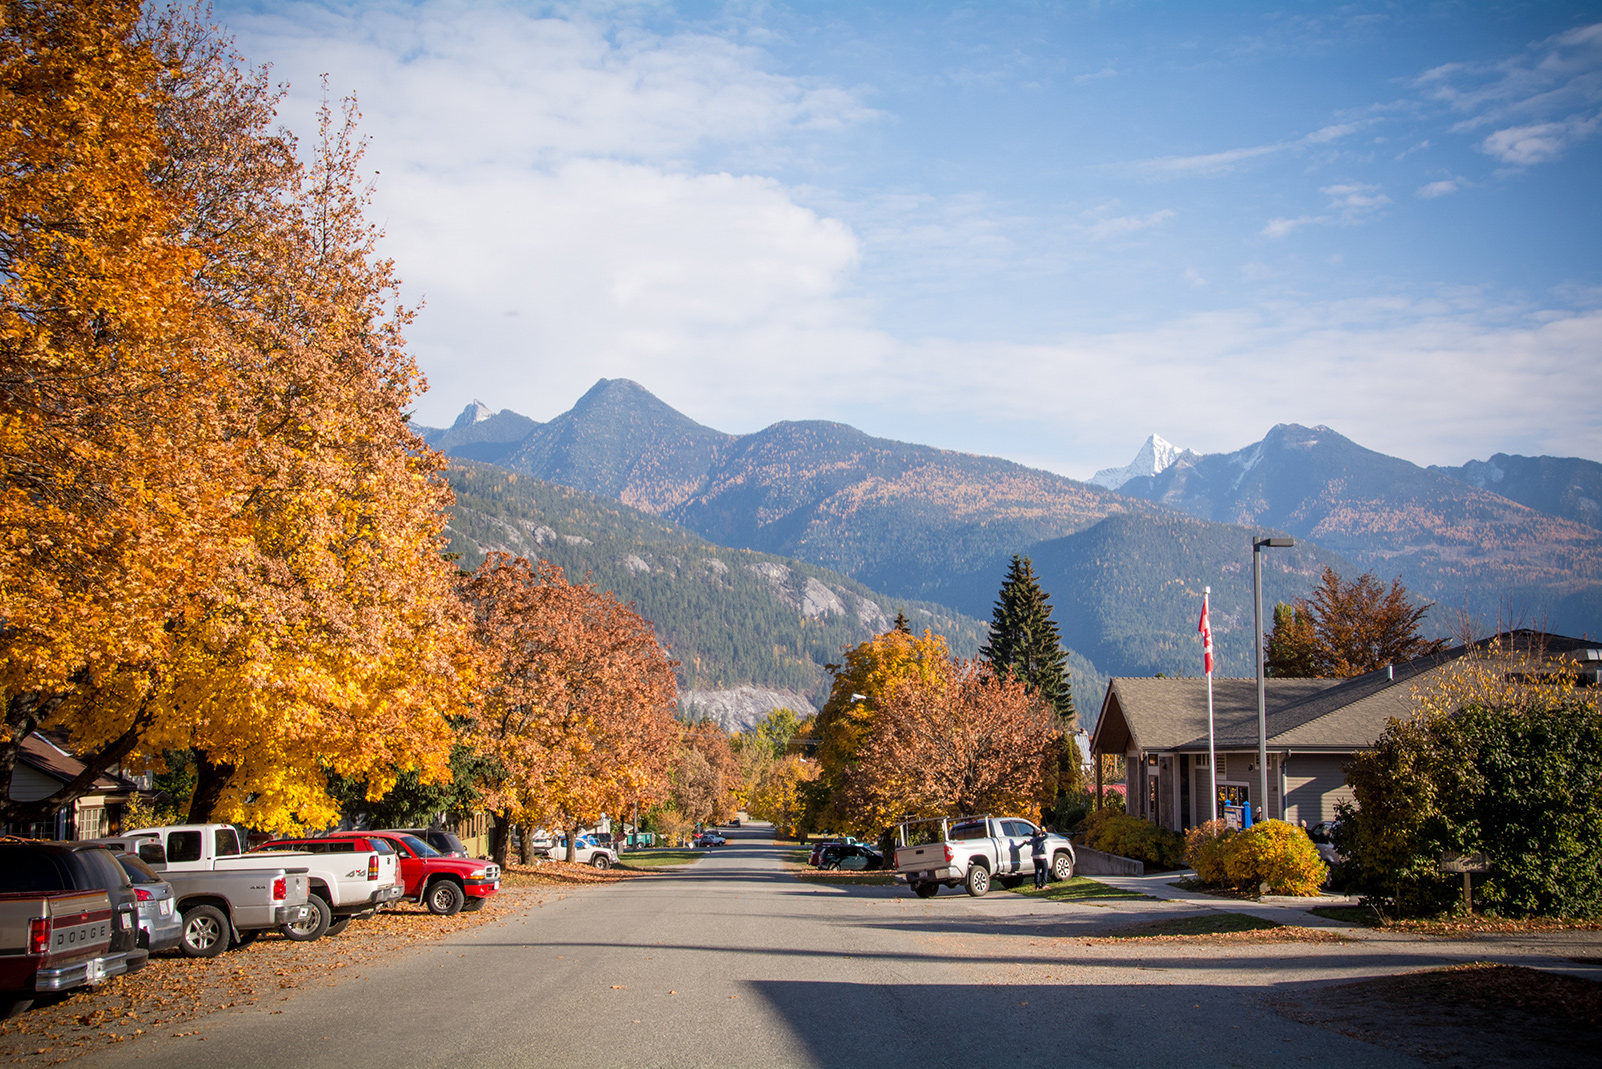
[(1206, 629)]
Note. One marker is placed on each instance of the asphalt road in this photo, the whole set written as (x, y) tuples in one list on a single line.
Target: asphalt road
[(734, 962)]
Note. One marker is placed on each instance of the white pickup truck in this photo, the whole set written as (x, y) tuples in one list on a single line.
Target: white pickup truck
[(342, 883), (973, 852)]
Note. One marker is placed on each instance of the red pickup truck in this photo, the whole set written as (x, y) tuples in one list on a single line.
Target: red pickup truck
[(444, 884)]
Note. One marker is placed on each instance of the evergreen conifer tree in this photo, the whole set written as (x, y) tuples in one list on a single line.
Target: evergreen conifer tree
[(1024, 639)]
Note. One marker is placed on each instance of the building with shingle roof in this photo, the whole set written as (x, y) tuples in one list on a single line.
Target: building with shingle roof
[(1314, 726)]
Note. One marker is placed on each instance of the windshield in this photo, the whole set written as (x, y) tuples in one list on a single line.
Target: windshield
[(418, 847)]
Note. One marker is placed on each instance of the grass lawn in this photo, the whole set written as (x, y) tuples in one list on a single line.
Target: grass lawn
[(1078, 889), (1363, 915), (1201, 924), (655, 859)]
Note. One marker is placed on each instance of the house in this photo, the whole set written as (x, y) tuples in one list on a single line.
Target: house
[(1314, 726), (43, 767)]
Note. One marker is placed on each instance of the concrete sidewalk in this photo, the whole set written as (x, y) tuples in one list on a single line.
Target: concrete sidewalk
[(1279, 909)]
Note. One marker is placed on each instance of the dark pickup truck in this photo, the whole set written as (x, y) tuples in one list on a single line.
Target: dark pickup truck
[(68, 918)]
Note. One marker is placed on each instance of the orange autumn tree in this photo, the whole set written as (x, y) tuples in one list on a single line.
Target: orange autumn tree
[(872, 672), (966, 742), (116, 479), (314, 626), (707, 779), (577, 699)]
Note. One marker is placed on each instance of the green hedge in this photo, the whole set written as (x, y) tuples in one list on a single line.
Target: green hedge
[(1518, 780)]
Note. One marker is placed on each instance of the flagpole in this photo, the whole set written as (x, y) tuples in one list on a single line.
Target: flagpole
[(1212, 750)]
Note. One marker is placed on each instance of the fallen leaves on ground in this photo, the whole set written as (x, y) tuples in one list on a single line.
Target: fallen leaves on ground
[(561, 872), (1478, 925), (1218, 928), (1480, 1013), (171, 992)]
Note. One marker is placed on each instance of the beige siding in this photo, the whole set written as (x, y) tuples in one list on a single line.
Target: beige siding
[(29, 784), (1314, 783)]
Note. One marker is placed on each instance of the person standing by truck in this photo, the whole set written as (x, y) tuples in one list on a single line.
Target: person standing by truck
[(1037, 851)]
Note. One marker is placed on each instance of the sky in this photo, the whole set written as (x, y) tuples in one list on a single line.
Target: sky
[(1036, 230)]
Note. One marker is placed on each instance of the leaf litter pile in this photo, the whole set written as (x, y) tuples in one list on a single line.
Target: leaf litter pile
[(170, 993), (1226, 928), (561, 873), (1478, 1013)]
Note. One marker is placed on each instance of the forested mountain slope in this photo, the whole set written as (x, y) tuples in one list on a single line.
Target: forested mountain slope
[(733, 618), (1561, 486), (911, 520), (1457, 545)]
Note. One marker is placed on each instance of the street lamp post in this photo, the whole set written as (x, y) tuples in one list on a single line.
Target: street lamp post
[(1262, 700)]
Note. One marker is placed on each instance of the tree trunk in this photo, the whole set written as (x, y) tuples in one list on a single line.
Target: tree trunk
[(525, 836), (572, 845), (211, 779), (501, 838)]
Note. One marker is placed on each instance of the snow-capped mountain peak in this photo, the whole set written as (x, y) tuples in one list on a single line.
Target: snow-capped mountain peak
[(1155, 456)]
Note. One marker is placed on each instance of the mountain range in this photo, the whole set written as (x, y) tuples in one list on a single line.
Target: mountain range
[(1125, 566)]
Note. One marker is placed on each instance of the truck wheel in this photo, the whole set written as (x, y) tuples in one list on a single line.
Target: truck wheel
[(337, 925), (313, 927), (978, 881), (600, 861), (1062, 866), (445, 898), (926, 889), (206, 932)]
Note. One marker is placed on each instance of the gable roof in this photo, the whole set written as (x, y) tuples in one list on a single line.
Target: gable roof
[(40, 753), (1337, 715)]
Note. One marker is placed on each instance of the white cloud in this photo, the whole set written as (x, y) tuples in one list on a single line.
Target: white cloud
[(1442, 188), (1434, 381), (1541, 100), (1102, 229), (1523, 146), (1278, 228), (1105, 72)]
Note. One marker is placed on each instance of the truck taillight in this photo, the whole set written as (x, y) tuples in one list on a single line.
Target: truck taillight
[(372, 867), (143, 895), (950, 855), (38, 935), (280, 889)]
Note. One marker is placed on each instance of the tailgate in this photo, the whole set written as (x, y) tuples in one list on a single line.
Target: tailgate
[(922, 858)]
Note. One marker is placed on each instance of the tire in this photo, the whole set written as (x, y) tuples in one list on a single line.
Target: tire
[(444, 898), (337, 925), (314, 928), (926, 890), (1062, 866), (206, 932), (600, 861), (978, 881)]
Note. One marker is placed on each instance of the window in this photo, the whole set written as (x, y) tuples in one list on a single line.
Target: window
[(227, 842), (92, 822), (183, 846), (973, 830)]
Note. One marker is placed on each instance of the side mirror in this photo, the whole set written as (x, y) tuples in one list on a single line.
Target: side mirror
[(153, 854)]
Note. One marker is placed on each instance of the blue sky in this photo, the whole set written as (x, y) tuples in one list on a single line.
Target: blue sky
[(1037, 230)]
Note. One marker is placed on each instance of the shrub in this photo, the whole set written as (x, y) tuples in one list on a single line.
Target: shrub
[(1072, 810), (1128, 836), (1276, 853), (1204, 850), (1510, 772)]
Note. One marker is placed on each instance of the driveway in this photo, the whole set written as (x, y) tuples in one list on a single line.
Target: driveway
[(732, 961)]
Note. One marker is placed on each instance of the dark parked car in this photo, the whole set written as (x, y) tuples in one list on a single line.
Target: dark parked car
[(440, 839), (55, 896), (851, 857)]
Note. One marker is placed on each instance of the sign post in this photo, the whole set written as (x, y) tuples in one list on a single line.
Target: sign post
[(1467, 864)]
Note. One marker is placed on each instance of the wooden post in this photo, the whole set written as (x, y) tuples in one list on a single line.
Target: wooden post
[(1098, 781), (1468, 893)]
